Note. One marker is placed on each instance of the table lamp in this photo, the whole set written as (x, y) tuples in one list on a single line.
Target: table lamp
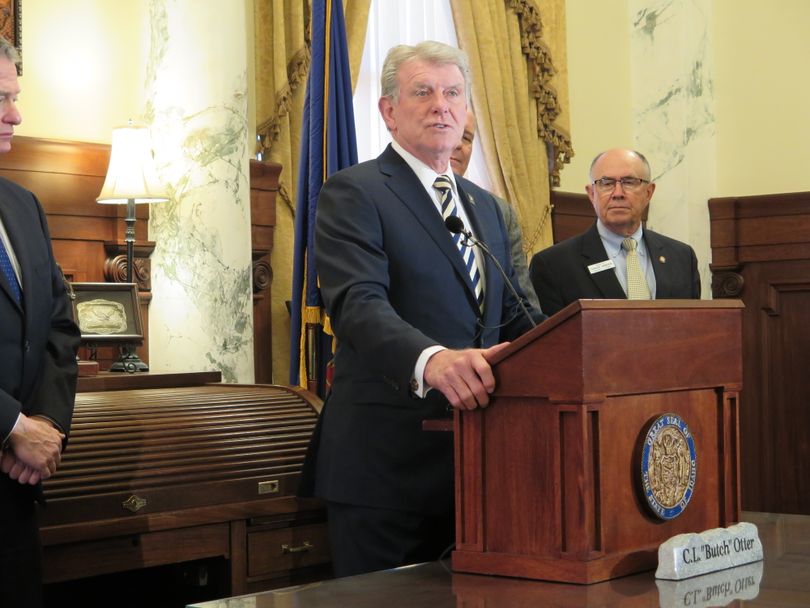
[(131, 179)]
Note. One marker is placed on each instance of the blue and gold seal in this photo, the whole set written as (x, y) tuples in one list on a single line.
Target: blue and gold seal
[(668, 466)]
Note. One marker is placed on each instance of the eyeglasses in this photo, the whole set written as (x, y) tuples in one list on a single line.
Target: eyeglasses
[(607, 184)]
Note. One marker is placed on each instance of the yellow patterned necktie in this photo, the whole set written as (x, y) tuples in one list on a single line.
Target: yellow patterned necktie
[(637, 288)]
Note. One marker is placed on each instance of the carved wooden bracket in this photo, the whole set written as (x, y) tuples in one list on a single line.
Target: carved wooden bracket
[(727, 284), (262, 275), (115, 271), (115, 266)]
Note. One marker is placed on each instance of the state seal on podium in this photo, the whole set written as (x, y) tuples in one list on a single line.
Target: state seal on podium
[(668, 466)]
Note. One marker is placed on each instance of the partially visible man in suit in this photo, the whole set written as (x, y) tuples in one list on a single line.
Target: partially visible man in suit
[(416, 312), (38, 342), (616, 257), (460, 160)]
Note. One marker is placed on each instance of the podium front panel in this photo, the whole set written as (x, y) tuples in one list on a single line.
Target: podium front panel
[(550, 488)]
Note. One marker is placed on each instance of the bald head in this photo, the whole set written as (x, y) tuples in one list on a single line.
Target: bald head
[(621, 153), (620, 189)]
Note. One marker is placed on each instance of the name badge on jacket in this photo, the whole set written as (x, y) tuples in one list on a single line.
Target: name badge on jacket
[(600, 266)]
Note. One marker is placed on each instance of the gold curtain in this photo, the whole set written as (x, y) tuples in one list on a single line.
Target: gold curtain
[(282, 58), (520, 101)]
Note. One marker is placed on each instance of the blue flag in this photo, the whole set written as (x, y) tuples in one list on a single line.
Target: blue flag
[(328, 144)]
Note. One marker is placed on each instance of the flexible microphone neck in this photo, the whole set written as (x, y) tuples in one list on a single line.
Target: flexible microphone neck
[(456, 225)]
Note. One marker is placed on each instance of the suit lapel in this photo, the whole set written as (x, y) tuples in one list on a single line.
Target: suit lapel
[(404, 184), (658, 258), (593, 252)]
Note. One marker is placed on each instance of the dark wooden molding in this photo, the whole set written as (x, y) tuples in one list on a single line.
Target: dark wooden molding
[(262, 277), (571, 214), (263, 190), (761, 254), (727, 284)]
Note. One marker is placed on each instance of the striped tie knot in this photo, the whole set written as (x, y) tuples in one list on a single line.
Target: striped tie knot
[(445, 188)]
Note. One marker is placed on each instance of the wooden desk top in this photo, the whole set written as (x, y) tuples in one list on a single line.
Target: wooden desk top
[(783, 579), (116, 381)]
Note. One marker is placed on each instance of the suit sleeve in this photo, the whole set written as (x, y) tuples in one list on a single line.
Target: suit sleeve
[(517, 254), (354, 279), (696, 290), (55, 391), (545, 286)]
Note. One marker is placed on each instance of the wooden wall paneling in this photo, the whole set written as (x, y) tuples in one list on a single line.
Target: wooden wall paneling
[(761, 254), (571, 214), (66, 177), (263, 189)]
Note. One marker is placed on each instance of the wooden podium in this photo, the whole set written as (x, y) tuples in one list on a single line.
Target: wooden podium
[(548, 477)]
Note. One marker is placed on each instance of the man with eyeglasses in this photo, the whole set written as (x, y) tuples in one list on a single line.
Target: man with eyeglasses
[(617, 257)]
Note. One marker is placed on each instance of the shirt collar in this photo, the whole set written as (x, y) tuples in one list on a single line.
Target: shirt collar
[(425, 174), (613, 241)]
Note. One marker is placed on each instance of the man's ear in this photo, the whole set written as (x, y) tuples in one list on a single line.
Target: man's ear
[(386, 107)]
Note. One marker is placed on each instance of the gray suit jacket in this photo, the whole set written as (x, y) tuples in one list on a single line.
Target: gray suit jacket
[(518, 255)]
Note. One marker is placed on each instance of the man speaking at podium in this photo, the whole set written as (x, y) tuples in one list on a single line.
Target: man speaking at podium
[(416, 312), (616, 258)]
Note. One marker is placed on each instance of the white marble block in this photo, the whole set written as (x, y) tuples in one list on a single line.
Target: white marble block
[(687, 555)]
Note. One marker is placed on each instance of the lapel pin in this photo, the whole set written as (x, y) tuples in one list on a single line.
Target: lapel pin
[(662, 259), (471, 199)]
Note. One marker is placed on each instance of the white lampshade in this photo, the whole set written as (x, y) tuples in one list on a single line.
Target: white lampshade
[(131, 173)]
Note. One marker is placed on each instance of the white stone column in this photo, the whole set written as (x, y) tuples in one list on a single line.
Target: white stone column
[(196, 104), (674, 116)]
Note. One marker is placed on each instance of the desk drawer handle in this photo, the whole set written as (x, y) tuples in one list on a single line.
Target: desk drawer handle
[(285, 549), (134, 503)]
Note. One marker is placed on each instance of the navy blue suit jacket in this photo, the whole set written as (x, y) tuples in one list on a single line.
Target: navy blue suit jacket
[(560, 273), (38, 341), (394, 284)]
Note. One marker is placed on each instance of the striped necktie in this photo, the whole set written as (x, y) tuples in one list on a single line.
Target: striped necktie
[(637, 288), (8, 270), (444, 187)]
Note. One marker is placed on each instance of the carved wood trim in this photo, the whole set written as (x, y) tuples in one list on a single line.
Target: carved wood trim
[(773, 303), (264, 187), (727, 284), (761, 254)]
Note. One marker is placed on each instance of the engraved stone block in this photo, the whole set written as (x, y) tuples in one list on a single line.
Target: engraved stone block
[(687, 555)]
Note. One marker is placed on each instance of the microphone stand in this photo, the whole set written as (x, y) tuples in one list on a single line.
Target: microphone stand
[(456, 225)]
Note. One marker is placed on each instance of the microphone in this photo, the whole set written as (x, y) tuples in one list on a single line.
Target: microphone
[(456, 225)]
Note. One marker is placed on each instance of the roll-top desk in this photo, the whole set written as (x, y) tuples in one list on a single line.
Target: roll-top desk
[(163, 469)]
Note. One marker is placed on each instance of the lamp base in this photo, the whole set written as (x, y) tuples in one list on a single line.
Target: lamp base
[(129, 361)]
